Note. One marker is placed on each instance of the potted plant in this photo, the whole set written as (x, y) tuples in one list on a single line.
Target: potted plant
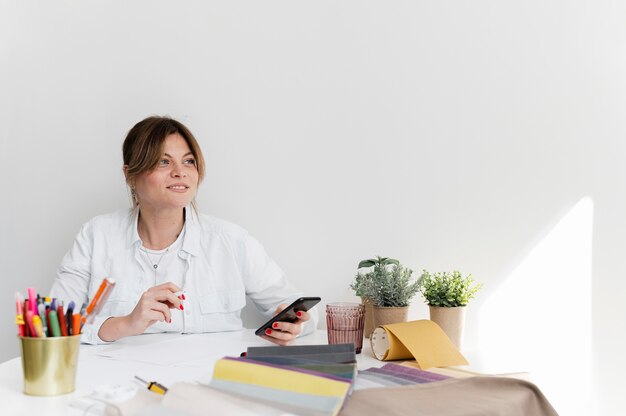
[(388, 287), (361, 284), (447, 294)]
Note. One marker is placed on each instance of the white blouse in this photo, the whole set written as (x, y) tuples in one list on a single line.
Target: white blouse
[(219, 263), (170, 268)]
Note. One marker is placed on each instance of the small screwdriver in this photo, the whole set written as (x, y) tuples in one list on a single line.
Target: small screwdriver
[(154, 386)]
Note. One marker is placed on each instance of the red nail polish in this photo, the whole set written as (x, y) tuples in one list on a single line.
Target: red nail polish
[(275, 325), (268, 331), (182, 308), (299, 313), (183, 296)]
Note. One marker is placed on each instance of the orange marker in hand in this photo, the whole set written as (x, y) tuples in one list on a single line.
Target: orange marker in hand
[(98, 300)]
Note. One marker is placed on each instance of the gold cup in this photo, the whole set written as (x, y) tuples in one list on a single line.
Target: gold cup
[(49, 364)]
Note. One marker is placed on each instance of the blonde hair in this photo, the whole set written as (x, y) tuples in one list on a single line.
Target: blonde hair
[(143, 148)]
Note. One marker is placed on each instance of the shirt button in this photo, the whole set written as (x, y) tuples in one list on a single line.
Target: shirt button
[(187, 312)]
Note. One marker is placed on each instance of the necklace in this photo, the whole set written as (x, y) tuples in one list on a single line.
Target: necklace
[(154, 264)]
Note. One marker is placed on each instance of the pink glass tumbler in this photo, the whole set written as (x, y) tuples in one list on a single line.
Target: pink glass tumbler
[(345, 322)]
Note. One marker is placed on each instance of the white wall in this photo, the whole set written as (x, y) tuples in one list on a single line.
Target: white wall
[(448, 134)]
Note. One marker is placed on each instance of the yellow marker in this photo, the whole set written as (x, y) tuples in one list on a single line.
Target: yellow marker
[(38, 326), (154, 386)]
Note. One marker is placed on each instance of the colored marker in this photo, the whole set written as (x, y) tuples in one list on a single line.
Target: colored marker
[(76, 324), (29, 321), (38, 327), (99, 299), (61, 317), (48, 321), (154, 386), (42, 314), (19, 314), (68, 317), (54, 323), (32, 300), (24, 309)]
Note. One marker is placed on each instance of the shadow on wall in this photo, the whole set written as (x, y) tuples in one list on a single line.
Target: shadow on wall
[(539, 319)]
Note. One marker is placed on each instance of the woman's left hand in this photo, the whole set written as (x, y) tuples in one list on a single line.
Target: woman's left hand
[(282, 333)]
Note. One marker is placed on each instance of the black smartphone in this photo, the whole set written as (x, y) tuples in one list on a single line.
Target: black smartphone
[(289, 313)]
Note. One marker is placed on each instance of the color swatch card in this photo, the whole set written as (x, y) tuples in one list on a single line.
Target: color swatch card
[(334, 353), (312, 392), (393, 375)]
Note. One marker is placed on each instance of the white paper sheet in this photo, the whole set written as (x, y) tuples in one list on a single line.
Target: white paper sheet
[(180, 349)]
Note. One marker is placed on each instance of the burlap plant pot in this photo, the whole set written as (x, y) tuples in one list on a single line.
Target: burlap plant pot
[(369, 317), (389, 315), (451, 320)]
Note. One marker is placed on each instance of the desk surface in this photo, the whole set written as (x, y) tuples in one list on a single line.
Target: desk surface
[(167, 358)]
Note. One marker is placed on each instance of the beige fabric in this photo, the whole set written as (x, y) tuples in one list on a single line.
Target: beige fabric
[(474, 396)]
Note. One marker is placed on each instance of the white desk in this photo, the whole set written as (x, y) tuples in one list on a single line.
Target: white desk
[(187, 358)]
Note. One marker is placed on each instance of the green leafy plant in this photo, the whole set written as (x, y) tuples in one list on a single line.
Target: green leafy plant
[(387, 284), (447, 289), (362, 281), (383, 261)]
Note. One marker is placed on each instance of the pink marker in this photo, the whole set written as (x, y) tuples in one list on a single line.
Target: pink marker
[(29, 321), (32, 300)]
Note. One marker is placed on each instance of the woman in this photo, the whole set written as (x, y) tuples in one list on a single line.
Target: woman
[(175, 270)]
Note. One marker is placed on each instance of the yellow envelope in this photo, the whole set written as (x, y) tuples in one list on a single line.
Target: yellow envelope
[(421, 340)]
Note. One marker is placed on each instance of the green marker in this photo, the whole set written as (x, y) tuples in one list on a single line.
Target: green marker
[(54, 323)]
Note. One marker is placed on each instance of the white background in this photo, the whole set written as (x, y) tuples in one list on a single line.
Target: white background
[(485, 136)]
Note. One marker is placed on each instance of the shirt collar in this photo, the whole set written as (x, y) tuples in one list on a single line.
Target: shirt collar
[(133, 235), (191, 243)]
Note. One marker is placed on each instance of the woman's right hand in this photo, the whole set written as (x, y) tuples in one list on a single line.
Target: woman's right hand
[(153, 306)]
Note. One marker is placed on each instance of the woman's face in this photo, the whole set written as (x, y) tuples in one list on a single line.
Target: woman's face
[(174, 182)]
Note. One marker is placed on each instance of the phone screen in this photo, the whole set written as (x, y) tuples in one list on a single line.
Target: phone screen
[(289, 313)]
